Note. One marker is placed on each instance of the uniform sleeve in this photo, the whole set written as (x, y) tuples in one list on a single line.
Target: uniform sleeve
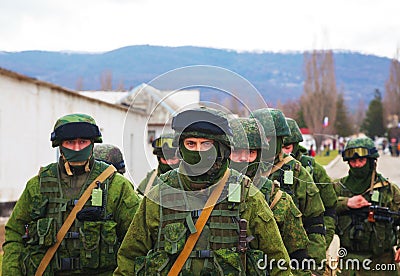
[(140, 238), (264, 229), (329, 198), (342, 200), (15, 229), (125, 202)]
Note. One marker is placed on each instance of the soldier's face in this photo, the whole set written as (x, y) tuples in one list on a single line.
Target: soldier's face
[(243, 155), (358, 162), (287, 149), (76, 144), (198, 144), (171, 161)]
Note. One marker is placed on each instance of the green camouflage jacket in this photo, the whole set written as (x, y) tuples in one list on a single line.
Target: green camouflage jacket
[(142, 238), (326, 191), (31, 218)]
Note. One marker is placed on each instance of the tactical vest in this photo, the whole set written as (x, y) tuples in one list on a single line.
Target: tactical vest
[(215, 253), (90, 245), (308, 163), (359, 235)]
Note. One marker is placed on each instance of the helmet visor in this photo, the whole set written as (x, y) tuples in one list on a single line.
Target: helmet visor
[(355, 153)]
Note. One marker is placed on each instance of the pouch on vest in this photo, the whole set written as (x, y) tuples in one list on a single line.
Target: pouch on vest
[(253, 257), (156, 263), (31, 261), (138, 265), (228, 262), (175, 237), (109, 244), (90, 234), (46, 231), (39, 206)]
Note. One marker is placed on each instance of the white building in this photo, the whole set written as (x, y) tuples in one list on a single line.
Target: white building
[(28, 110)]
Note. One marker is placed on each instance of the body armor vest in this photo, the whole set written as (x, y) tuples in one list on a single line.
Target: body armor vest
[(359, 235), (215, 252), (90, 245)]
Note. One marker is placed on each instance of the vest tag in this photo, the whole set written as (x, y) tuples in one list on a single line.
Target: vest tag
[(288, 177), (375, 196), (234, 192), (97, 197)]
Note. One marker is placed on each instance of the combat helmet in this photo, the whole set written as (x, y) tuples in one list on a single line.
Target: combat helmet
[(360, 147), (248, 134), (296, 136), (273, 121), (203, 122), (74, 126), (163, 146), (110, 154)]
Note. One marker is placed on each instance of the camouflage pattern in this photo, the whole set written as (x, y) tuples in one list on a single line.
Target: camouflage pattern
[(203, 113), (74, 118), (111, 155), (326, 189), (289, 220), (142, 237), (363, 239), (361, 142), (273, 121), (33, 208), (248, 134), (295, 133)]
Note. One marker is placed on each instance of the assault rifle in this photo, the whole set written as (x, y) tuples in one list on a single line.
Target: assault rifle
[(375, 213)]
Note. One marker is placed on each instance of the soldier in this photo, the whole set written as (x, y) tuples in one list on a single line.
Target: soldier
[(294, 180), (111, 155), (321, 179), (167, 160), (248, 145), (363, 232), (49, 231), (170, 233)]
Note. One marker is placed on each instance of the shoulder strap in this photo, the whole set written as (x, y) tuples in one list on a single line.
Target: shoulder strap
[(150, 182), (276, 199), (201, 221), (279, 165), (70, 219)]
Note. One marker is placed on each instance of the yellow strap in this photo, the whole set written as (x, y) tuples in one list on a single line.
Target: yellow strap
[(70, 219), (276, 199), (201, 221), (279, 165), (150, 182)]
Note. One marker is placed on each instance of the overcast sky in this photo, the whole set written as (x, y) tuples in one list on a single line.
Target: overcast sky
[(366, 26)]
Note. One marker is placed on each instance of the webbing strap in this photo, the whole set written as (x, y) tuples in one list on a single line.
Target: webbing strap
[(151, 181), (192, 239), (276, 199), (279, 165), (70, 219)]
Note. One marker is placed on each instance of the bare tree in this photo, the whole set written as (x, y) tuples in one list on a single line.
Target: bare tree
[(391, 99), (360, 115), (106, 80), (318, 100), (291, 108)]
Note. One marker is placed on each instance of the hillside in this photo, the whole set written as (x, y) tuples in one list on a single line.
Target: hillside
[(278, 76)]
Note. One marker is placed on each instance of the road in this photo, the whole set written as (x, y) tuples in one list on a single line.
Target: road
[(388, 166)]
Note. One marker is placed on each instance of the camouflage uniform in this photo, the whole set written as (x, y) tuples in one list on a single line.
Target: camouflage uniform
[(162, 148), (361, 238), (91, 243), (110, 154), (166, 216), (320, 177), (295, 180), (247, 134)]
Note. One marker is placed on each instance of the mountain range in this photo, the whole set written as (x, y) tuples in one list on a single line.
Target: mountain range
[(277, 76)]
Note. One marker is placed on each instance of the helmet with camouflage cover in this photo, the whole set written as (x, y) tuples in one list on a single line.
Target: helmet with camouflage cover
[(75, 126), (163, 146), (359, 147), (110, 154), (248, 133), (296, 136), (203, 122), (273, 121)]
